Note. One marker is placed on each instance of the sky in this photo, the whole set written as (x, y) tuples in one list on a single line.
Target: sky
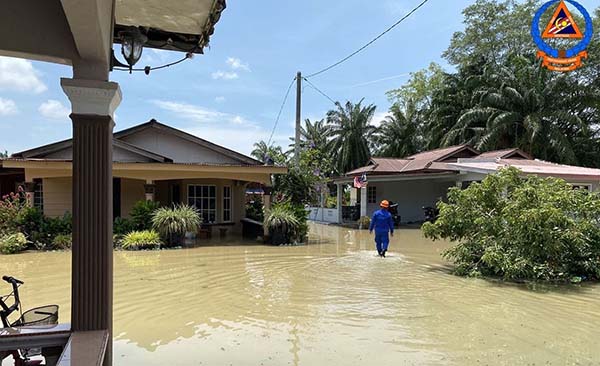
[(231, 94)]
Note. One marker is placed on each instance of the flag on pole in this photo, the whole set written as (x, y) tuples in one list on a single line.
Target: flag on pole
[(360, 182)]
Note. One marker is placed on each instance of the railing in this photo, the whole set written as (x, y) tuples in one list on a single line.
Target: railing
[(78, 348)]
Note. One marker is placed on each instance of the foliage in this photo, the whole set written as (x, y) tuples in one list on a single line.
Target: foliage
[(140, 240), (62, 241), (364, 222), (11, 208), (399, 134), (41, 230), (12, 243), (351, 132), (289, 218), (141, 214), (296, 186), (4, 154), (268, 154), (521, 228), (313, 135), (123, 225), (254, 208), (176, 221)]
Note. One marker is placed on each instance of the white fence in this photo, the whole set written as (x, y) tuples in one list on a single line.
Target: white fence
[(323, 214)]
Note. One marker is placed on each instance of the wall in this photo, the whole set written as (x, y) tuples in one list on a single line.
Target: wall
[(176, 148), (57, 196), (119, 154), (411, 196), (132, 191), (323, 214)]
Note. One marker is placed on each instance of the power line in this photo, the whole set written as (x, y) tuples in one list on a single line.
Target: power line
[(319, 91), (369, 43), (287, 93)]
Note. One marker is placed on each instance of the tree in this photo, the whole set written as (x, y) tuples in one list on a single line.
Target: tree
[(524, 105), (399, 134), (265, 153), (4, 154), (351, 132), (521, 228), (313, 135), (419, 88)]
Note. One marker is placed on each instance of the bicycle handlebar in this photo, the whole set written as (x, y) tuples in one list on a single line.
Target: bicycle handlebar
[(12, 280)]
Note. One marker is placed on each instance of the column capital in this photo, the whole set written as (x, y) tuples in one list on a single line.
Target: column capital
[(92, 96)]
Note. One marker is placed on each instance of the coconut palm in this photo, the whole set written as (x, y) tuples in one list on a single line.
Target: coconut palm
[(399, 134), (351, 131)]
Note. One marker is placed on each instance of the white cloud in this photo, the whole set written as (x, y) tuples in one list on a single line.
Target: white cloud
[(18, 74), (237, 64), (54, 109), (225, 75), (7, 107), (379, 117), (201, 114), (220, 99)]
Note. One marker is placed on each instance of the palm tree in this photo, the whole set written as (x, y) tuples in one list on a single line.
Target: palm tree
[(268, 153), (313, 135), (399, 134), (351, 131), (528, 107)]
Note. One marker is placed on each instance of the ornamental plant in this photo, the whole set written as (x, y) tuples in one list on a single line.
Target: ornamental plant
[(174, 222), (140, 240), (521, 228), (12, 243)]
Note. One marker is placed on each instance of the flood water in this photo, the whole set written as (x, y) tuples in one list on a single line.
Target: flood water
[(333, 302)]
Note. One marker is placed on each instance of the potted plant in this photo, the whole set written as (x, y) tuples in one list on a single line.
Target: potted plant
[(174, 222), (282, 224)]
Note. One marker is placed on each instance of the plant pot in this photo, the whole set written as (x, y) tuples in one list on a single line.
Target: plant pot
[(278, 236)]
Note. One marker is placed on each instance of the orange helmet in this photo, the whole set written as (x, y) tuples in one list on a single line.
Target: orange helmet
[(385, 204)]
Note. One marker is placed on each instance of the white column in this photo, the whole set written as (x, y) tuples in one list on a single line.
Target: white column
[(340, 202), (363, 201), (149, 190)]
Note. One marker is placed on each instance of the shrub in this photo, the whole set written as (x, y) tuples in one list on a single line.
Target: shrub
[(521, 228), (288, 219), (12, 243), (122, 226), (42, 230), (364, 222), (254, 209), (62, 241), (174, 222), (140, 240), (141, 214), (11, 207)]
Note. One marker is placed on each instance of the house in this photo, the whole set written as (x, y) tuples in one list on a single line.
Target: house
[(422, 179), (151, 161)]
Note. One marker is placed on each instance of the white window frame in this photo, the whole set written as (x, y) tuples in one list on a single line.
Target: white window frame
[(230, 199), (581, 185), (201, 197), (38, 194), (372, 199)]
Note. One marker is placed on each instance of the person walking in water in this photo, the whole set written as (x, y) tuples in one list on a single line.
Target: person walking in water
[(383, 223)]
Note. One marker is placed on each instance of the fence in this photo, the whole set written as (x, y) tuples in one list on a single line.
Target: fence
[(323, 214)]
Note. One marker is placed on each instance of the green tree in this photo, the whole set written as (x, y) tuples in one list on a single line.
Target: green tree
[(313, 135), (400, 133), (351, 132), (521, 228), (4, 154), (265, 153), (419, 88)]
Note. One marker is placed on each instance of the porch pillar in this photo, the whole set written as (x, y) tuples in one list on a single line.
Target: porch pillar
[(29, 189), (266, 206), (340, 202), (93, 103), (363, 201), (150, 190)]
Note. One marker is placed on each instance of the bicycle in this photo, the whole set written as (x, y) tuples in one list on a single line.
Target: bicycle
[(43, 315)]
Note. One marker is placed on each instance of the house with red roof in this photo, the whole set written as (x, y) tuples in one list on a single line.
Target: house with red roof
[(422, 179)]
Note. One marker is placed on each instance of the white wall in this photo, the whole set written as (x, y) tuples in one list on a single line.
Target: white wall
[(323, 214), (411, 196)]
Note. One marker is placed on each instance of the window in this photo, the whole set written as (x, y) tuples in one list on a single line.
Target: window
[(38, 194), (204, 198), (371, 194), (582, 186), (227, 204)]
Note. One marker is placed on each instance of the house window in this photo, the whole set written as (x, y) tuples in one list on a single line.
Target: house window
[(372, 194), (227, 204), (38, 194), (204, 198), (582, 186)]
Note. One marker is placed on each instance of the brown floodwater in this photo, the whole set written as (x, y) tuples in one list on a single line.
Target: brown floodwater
[(332, 302)]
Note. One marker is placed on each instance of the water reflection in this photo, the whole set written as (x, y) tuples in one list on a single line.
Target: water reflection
[(330, 302)]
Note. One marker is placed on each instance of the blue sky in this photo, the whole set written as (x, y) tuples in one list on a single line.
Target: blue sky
[(232, 93)]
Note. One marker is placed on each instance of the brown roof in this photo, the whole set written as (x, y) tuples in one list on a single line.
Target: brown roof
[(504, 154)]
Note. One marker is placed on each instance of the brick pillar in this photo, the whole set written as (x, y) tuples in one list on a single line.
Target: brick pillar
[(93, 104)]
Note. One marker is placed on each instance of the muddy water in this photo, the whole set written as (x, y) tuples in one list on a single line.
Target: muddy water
[(332, 302)]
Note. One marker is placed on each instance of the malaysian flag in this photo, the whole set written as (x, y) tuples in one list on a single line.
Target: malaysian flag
[(360, 182)]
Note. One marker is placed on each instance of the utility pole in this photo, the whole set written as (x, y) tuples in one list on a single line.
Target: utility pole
[(298, 117)]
